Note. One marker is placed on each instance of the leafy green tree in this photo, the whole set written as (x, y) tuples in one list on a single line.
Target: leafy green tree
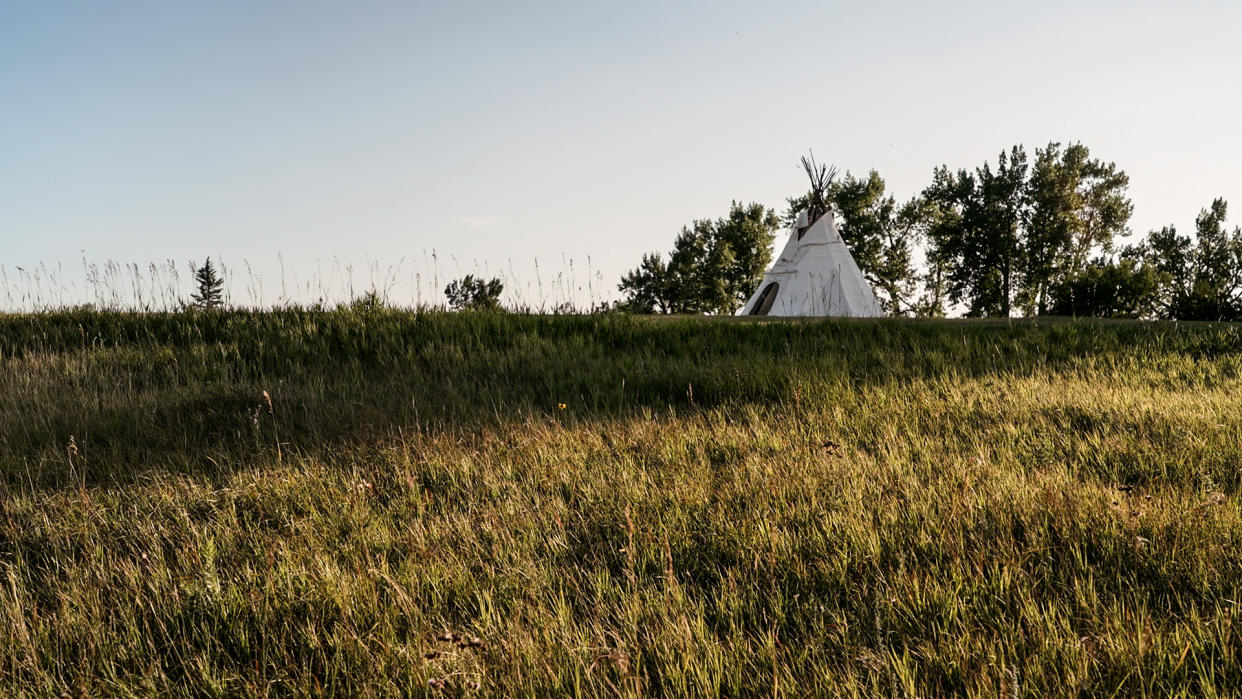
[(1217, 290), (1172, 255), (713, 268), (689, 277), (897, 276), (210, 292), (1125, 288), (931, 302), (743, 252), (975, 231), (1202, 278), (867, 217), (474, 293), (1078, 205), (646, 287), (1003, 207)]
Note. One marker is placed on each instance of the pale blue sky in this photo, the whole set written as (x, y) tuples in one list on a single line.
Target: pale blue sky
[(373, 131)]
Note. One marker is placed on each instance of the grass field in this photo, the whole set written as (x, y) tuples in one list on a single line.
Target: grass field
[(304, 502)]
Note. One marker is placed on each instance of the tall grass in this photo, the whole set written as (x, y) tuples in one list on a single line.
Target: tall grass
[(412, 281), (452, 503)]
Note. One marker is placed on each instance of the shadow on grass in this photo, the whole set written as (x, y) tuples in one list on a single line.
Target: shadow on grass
[(99, 398)]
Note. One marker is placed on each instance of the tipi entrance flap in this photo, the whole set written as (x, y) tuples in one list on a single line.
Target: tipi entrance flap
[(763, 305)]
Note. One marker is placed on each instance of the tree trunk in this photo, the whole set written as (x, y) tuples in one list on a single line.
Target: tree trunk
[(1005, 289)]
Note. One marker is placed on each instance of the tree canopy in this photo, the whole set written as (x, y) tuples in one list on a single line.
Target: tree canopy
[(474, 293), (1005, 235), (1019, 235), (1201, 278), (714, 265)]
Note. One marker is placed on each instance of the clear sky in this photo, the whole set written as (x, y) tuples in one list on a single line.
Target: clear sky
[(372, 133)]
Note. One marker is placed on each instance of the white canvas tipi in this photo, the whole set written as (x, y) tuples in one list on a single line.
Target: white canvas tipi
[(815, 275)]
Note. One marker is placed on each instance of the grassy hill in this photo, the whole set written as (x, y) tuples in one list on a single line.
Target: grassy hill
[(296, 502)]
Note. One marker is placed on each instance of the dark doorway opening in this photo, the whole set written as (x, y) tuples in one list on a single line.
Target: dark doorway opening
[(766, 298)]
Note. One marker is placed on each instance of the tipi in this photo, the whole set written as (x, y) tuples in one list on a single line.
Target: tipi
[(815, 275)]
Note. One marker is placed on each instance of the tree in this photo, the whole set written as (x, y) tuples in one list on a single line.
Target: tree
[(1172, 255), (1126, 288), (931, 302), (1006, 239), (1201, 278), (1216, 293), (210, 292), (713, 268), (1003, 204), (689, 277), (1077, 207), (975, 231), (743, 252), (476, 294), (646, 287)]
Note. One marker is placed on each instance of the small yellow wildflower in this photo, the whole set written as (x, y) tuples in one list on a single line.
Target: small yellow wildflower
[(561, 406)]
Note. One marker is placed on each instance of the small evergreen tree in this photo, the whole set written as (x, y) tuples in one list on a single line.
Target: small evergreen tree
[(471, 293), (210, 292)]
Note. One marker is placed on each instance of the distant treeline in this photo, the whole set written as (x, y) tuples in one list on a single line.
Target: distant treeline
[(1031, 236)]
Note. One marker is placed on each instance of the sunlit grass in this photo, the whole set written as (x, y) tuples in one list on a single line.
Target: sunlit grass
[(599, 505)]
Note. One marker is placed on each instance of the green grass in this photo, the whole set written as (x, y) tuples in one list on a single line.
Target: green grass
[(722, 507)]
